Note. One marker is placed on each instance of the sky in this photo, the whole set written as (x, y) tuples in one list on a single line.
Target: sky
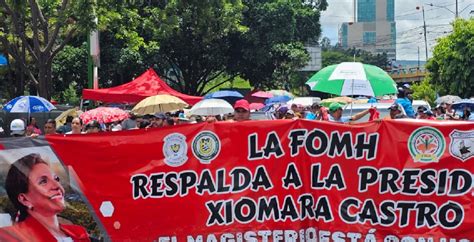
[(409, 22)]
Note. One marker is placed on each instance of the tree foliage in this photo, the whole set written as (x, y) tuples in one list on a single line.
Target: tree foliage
[(34, 32), (195, 45), (336, 55), (424, 91), (273, 46), (451, 68)]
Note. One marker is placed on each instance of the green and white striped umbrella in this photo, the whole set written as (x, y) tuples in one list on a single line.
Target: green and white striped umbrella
[(353, 78)]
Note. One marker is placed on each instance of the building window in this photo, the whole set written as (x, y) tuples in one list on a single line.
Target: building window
[(344, 35), (369, 38), (390, 10), (366, 11), (393, 32)]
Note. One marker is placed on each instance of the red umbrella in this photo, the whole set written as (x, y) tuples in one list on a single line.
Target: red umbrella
[(262, 94), (256, 106), (104, 115)]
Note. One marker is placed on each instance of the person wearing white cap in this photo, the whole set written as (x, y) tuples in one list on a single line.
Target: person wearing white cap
[(17, 128)]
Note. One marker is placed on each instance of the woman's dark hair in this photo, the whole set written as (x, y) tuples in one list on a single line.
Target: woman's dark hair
[(93, 124), (17, 181), (169, 121), (144, 124), (31, 120)]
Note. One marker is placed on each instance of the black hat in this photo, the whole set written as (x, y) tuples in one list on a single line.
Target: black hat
[(395, 106)]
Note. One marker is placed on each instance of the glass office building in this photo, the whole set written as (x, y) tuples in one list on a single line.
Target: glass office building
[(374, 29)]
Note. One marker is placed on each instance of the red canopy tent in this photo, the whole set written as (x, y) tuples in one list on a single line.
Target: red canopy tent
[(146, 85)]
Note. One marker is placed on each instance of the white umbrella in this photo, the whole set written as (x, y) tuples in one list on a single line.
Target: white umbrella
[(450, 99), (211, 106), (305, 101)]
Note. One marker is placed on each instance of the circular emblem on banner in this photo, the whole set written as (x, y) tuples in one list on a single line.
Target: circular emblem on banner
[(426, 144), (175, 149), (462, 144), (206, 146)]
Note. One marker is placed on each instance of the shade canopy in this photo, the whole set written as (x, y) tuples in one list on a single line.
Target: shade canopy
[(146, 85)]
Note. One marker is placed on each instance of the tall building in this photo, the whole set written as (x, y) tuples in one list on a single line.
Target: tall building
[(374, 28)]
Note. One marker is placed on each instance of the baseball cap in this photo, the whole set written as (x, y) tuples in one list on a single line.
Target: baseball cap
[(17, 126), (406, 85), (394, 106), (242, 103), (335, 106)]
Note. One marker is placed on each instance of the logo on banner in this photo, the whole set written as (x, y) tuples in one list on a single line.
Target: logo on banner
[(175, 149), (206, 146), (462, 144), (426, 145)]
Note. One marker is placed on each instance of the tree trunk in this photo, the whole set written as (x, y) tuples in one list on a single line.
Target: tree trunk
[(44, 78)]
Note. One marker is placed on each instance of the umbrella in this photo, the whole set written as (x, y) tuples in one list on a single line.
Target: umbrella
[(278, 99), (256, 106), (223, 94), (3, 60), (104, 115), (28, 104), (281, 93), (230, 96), (448, 99), (262, 94), (159, 103), (304, 101), (461, 104), (353, 78), (341, 100), (211, 106)]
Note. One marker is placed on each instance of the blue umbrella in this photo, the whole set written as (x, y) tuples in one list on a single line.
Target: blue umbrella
[(223, 94), (3, 60), (230, 96), (28, 104), (278, 99), (459, 105)]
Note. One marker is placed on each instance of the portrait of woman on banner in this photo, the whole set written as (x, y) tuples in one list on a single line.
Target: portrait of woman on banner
[(38, 197)]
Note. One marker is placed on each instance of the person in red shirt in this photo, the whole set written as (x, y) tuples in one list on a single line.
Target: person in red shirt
[(33, 126), (37, 194)]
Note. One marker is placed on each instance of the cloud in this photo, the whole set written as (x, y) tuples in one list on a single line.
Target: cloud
[(409, 23)]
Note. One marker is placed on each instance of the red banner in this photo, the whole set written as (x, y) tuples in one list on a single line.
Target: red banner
[(279, 181)]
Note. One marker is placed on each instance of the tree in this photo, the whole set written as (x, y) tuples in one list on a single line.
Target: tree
[(451, 68), (35, 32), (325, 43), (70, 66), (424, 91), (196, 49), (335, 55), (274, 26)]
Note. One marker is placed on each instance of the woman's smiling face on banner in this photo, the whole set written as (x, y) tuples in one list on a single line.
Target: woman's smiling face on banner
[(45, 193)]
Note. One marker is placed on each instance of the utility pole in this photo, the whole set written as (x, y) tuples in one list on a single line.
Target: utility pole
[(457, 13), (424, 31), (418, 57)]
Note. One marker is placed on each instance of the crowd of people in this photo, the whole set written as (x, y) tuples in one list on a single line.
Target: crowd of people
[(401, 108)]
